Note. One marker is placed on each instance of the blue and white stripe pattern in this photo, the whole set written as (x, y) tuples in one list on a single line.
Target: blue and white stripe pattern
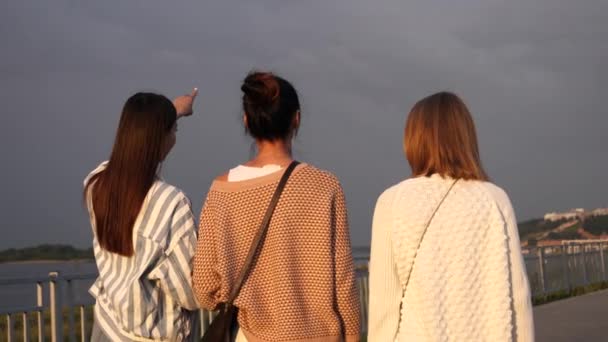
[(149, 296)]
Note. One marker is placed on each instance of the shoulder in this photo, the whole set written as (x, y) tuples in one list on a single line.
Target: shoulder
[(102, 166), (169, 205), (163, 194), (499, 200), (387, 196), (223, 177), (497, 194), (408, 187), (319, 177)]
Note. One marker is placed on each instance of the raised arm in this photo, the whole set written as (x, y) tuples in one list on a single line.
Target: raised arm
[(184, 104)]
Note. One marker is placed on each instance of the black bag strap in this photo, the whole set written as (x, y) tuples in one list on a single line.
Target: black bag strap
[(259, 237)]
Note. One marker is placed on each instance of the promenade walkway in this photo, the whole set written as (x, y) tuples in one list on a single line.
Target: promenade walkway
[(583, 318)]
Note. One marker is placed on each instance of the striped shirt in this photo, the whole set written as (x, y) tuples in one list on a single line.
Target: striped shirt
[(148, 296)]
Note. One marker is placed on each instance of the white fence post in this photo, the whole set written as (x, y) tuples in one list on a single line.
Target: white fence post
[(541, 269), (39, 303), (55, 308), (602, 262), (9, 328), (205, 321), (584, 256), (26, 337), (566, 268), (82, 325)]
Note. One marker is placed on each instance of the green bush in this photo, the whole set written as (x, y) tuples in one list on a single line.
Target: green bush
[(528, 229), (562, 294), (596, 225)]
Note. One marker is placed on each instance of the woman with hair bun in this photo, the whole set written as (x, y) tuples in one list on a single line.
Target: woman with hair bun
[(300, 285)]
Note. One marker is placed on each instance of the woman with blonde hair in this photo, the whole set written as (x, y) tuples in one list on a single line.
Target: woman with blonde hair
[(446, 263)]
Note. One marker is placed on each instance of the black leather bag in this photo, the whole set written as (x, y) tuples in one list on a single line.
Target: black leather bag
[(220, 329)]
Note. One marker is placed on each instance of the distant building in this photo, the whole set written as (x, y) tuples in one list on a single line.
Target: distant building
[(569, 215), (574, 214), (599, 212)]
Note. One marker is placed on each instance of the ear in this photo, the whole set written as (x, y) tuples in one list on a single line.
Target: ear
[(245, 120), (296, 120)]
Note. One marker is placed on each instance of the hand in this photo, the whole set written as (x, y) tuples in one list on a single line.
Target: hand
[(183, 104)]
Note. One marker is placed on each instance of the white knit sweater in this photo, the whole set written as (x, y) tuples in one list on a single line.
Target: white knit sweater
[(468, 282)]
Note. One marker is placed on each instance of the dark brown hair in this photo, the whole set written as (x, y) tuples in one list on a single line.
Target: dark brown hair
[(270, 104), (440, 138), (120, 189)]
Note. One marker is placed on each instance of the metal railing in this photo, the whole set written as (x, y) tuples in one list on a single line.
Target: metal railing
[(56, 285), (566, 266), (550, 269), (54, 305)]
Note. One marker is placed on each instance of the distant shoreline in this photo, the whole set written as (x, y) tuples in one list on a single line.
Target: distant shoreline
[(46, 261), (45, 254)]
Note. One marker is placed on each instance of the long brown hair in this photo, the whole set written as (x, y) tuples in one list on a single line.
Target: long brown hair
[(120, 190), (440, 138)]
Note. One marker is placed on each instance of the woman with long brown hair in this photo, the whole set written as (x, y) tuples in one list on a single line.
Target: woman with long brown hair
[(300, 283), (144, 233), (446, 263)]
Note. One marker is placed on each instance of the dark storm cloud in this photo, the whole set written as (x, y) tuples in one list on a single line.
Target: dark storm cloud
[(531, 71)]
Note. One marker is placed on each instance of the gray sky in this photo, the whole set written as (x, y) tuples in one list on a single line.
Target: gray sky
[(532, 71)]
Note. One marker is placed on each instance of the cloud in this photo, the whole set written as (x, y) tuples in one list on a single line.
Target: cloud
[(531, 71)]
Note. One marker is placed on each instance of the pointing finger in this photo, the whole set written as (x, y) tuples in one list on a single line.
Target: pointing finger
[(194, 93)]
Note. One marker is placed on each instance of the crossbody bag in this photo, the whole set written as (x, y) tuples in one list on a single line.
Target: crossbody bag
[(220, 329)]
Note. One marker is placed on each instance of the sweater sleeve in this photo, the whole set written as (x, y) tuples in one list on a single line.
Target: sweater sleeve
[(522, 304), (384, 286), (346, 288), (206, 280), (175, 269)]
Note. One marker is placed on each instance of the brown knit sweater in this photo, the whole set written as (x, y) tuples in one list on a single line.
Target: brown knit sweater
[(302, 285)]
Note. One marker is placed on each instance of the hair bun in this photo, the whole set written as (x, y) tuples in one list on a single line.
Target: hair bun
[(261, 89)]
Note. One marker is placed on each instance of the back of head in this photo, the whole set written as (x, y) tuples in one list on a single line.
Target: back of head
[(440, 138), (271, 106), (142, 142)]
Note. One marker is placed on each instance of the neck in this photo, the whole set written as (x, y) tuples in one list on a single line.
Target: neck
[(272, 152)]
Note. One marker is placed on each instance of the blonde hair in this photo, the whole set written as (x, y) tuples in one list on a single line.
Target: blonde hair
[(440, 138)]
